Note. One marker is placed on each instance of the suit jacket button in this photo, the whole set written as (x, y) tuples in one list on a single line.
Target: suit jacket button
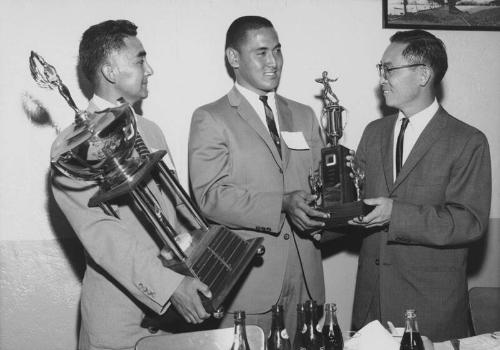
[(286, 236), (153, 330), (377, 262)]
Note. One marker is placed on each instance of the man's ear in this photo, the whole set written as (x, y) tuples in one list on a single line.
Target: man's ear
[(426, 74), (109, 73), (233, 57)]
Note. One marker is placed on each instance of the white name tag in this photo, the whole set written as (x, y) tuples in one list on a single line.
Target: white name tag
[(295, 140)]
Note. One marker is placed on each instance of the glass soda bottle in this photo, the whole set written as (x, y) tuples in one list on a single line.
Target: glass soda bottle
[(278, 337), (240, 341), (332, 336), (411, 338), (300, 332), (312, 336)]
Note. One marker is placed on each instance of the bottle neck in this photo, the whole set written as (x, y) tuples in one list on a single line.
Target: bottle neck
[(300, 319), (411, 324), (277, 321), (331, 314), (239, 324), (311, 318)]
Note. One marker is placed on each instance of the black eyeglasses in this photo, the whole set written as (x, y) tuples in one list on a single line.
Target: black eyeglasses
[(384, 71)]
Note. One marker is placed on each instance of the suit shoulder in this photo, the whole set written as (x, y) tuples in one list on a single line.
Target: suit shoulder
[(381, 123), (294, 104), (462, 133), (216, 107), (461, 127), (147, 124)]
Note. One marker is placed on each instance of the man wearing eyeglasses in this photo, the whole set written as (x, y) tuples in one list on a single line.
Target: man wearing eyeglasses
[(429, 177)]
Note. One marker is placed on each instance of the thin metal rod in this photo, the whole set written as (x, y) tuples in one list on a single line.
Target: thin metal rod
[(162, 226), (108, 209), (174, 184)]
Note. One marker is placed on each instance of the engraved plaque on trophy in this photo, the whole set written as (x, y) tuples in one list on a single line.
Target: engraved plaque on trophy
[(339, 184)]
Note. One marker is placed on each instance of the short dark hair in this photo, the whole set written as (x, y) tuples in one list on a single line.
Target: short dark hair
[(237, 31), (98, 41), (423, 47)]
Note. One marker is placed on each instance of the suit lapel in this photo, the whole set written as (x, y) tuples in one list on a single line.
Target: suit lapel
[(387, 154), (429, 136), (247, 113)]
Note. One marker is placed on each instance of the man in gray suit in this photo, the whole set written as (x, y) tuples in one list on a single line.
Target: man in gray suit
[(124, 275), (250, 153), (429, 176)]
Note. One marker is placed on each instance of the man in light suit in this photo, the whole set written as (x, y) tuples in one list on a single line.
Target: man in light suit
[(124, 275), (249, 164), (429, 176)]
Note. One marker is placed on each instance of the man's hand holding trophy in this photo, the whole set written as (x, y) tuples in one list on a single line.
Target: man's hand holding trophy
[(338, 186)]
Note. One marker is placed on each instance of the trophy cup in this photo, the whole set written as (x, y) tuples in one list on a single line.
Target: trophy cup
[(99, 147), (338, 185)]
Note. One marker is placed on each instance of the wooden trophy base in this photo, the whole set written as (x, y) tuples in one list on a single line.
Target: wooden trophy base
[(341, 213)]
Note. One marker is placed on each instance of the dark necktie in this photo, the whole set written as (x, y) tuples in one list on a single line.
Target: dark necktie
[(271, 124), (140, 146), (399, 145)]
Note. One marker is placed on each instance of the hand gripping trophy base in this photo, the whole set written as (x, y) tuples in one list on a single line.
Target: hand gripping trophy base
[(341, 213)]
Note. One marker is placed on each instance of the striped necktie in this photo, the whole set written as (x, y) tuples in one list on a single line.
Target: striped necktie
[(271, 124)]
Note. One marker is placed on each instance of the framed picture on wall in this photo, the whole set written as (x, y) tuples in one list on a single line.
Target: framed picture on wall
[(442, 14)]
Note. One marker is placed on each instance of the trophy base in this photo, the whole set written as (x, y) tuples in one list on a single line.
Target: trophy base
[(218, 257), (341, 213)]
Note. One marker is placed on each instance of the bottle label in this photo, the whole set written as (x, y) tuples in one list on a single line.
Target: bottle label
[(284, 334)]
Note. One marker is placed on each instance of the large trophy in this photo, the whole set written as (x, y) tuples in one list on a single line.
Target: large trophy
[(100, 147), (339, 184)]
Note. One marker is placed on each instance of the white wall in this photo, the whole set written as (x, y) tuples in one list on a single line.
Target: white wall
[(184, 40)]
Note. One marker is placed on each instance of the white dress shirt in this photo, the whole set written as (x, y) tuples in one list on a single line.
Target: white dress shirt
[(258, 105), (416, 125)]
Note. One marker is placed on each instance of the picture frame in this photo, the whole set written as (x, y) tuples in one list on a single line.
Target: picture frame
[(442, 14)]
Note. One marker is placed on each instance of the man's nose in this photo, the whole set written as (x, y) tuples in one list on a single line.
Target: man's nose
[(382, 79), (271, 60), (149, 69)]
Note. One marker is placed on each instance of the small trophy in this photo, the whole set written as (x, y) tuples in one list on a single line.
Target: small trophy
[(339, 184)]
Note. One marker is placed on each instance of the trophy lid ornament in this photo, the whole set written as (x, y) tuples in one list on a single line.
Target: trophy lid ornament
[(329, 98), (331, 115), (97, 146)]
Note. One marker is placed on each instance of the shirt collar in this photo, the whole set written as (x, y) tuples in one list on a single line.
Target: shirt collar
[(101, 103), (253, 97), (423, 117)]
